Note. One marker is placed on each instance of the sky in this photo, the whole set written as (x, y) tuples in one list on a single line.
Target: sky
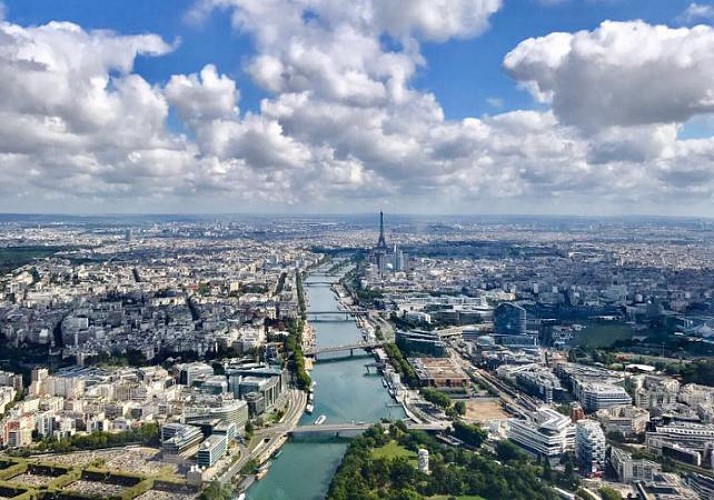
[(592, 107)]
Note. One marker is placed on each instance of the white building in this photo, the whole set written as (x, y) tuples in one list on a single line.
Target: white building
[(629, 470), (589, 445), (550, 434), (595, 396)]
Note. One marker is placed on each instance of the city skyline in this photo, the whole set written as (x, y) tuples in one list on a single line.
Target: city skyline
[(312, 107)]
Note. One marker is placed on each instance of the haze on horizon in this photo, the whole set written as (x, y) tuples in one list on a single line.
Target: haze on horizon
[(322, 106)]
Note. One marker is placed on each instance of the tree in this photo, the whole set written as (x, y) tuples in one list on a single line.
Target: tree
[(217, 491), (436, 397), (460, 408), (472, 435), (508, 451), (608, 493)]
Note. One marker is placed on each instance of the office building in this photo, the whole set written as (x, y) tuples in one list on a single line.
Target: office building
[(190, 373), (211, 450), (179, 439), (595, 396), (421, 342), (627, 420), (509, 319), (589, 446), (549, 434), (629, 470)]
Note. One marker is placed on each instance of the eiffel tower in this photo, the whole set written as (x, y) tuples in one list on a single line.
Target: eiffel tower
[(381, 242)]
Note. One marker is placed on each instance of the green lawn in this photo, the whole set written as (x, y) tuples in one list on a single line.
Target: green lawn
[(391, 451), (603, 334)]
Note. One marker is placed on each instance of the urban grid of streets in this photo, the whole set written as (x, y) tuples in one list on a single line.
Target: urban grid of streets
[(578, 338)]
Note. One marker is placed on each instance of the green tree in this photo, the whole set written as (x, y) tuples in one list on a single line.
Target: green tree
[(608, 493), (508, 451), (217, 491), (460, 408)]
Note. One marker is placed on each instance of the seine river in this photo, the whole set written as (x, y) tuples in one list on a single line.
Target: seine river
[(344, 393)]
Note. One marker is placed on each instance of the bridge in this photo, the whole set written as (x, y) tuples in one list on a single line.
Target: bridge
[(348, 427), (314, 351)]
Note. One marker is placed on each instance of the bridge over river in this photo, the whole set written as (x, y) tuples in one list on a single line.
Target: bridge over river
[(349, 427), (365, 345)]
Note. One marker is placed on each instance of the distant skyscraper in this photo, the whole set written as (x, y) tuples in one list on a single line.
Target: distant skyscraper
[(509, 319), (381, 242)]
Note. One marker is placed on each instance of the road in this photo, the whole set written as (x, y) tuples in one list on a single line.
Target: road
[(266, 441)]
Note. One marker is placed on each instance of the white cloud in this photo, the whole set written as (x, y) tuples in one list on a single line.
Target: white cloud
[(621, 74), (204, 96), (695, 13), (344, 126)]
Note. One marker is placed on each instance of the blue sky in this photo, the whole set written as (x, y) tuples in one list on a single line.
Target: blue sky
[(464, 74), (402, 107)]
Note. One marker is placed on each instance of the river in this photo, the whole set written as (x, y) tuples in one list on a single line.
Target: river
[(344, 392)]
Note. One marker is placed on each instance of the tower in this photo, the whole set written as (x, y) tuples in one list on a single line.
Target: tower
[(381, 242)]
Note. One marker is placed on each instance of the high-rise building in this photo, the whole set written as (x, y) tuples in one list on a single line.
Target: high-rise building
[(589, 446), (509, 319)]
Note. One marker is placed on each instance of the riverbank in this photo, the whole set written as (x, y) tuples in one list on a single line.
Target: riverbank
[(343, 393)]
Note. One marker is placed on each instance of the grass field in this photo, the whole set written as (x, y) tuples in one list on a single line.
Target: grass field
[(391, 451), (603, 334)]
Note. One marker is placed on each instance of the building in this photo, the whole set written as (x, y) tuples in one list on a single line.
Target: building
[(509, 319), (549, 434), (702, 485), (211, 451), (438, 372), (629, 470), (589, 446), (421, 342), (227, 429), (692, 436), (541, 384), (189, 373), (179, 439), (630, 421), (232, 410), (655, 392), (596, 396)]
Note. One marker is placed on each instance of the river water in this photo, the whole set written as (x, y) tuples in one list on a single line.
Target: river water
[(344, 392)]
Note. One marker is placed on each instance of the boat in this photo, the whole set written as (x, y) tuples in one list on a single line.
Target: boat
[(262, 471), (310, 397), (309, 409), (241, 496), (384, 383), (320, 420), (277, 453), (312, 385)]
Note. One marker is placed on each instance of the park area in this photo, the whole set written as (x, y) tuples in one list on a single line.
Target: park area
[(604, 334), (393, 450)]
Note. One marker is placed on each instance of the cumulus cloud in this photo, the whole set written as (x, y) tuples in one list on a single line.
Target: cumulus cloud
[(621, 74), (343, 123)]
